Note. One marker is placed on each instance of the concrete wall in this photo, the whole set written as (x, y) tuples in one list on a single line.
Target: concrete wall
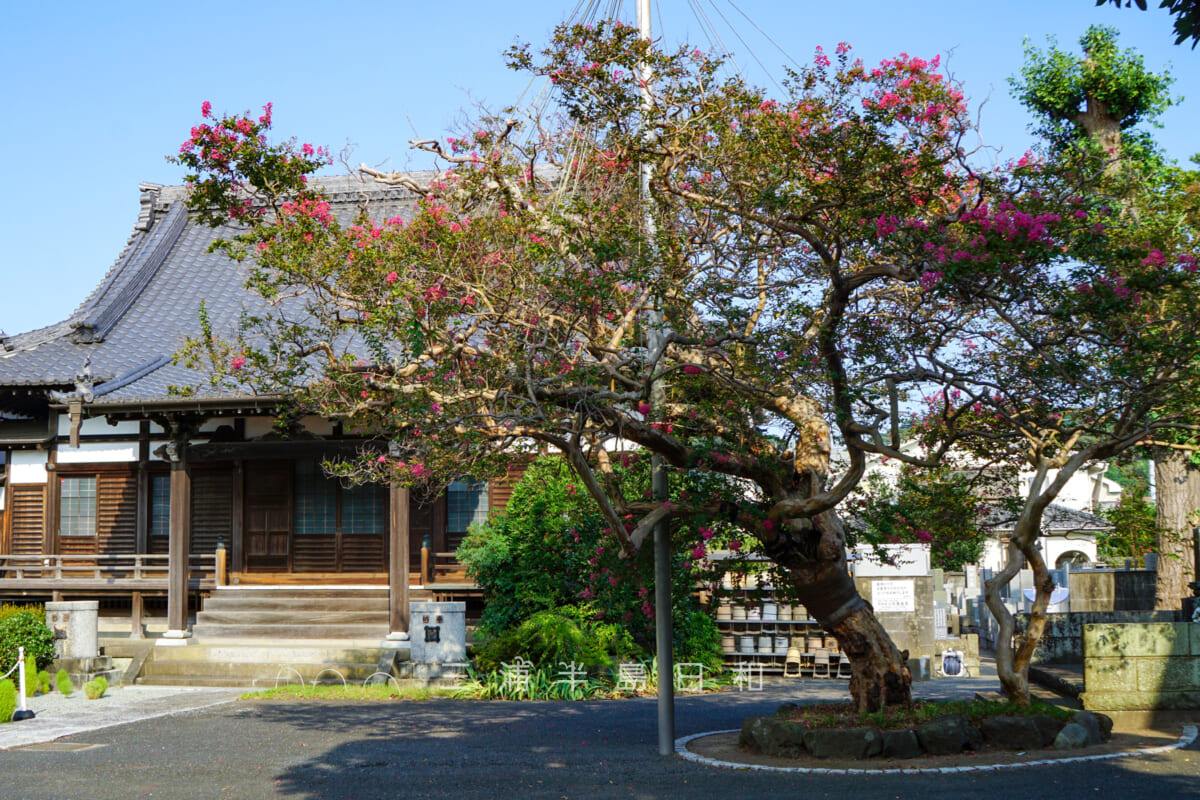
[(1112, 590), (910, 630), (1062, 638), (1141, 666)]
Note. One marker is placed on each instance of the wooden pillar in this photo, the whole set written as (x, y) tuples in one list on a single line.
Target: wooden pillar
[(142, 520), (398, 621), (135, 616), (239, 512), (52, 502), (179, 541)]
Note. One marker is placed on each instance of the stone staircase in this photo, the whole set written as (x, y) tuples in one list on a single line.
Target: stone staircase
[(258, 636)]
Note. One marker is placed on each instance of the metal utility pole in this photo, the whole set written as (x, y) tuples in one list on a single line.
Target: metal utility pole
[(658, 470)]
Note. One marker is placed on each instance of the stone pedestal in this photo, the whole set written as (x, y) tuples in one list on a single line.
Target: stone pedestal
[(75, 627)]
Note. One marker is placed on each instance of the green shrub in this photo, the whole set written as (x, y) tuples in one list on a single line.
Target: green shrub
[(697, 640), (95, 688), (25, 626), (8, 699), (44, 682), (31, 677), (63, 681), (551, 550), (569, 634)]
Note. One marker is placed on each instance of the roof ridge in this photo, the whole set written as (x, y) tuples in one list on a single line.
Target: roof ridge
[(158, 241), (147, 204), (137, 373)]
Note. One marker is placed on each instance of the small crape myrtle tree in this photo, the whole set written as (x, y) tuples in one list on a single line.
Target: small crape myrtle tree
[(815, 257)]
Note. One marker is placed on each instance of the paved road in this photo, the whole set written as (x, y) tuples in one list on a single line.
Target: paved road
[(453, 749)]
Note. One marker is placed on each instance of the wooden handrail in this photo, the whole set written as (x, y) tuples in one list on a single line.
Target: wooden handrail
[(126, 567)]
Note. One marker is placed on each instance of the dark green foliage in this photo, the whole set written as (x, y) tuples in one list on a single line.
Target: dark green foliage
[(697, 639), (550, 637), (1057, 87), (25, 626), (938, 507), (1135, 530), (8, 699), (551, 551)]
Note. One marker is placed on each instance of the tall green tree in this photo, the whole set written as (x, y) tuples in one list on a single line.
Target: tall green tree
[(1094, 110)]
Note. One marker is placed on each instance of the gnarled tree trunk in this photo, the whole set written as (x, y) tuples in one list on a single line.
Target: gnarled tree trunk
[(814, 552), (1177, 486)]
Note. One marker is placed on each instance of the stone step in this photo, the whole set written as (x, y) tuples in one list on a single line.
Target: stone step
[(294, 617), (291, 630), (220, 602)]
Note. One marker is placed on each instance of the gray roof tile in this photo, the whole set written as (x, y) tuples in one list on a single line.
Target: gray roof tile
[(149, 302)]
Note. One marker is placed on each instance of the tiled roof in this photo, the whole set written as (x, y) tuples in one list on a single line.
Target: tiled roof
[(139, 315), (1056, 519)]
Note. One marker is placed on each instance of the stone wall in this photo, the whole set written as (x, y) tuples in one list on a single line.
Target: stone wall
[(912, 627), (1141, 666), (1112, 590), (1062, 638)]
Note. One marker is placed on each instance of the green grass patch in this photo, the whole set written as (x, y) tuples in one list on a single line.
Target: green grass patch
[(845, 715)]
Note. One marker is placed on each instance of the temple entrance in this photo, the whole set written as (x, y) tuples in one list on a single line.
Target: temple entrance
[(267, 537)]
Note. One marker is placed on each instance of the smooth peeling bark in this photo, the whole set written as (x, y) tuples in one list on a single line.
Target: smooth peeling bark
[(815, 555)]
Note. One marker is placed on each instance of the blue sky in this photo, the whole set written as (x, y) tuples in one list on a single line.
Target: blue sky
[(94, 95)]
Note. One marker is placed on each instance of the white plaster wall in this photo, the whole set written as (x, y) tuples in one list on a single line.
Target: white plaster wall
[(318, 426), (98, 453), (258, 426), (1055, 546), (27, 466), (95, 426)]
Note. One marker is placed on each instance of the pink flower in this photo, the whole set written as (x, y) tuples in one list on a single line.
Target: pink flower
[(381, 460), (206, 109), (643, 408), (706, 533), (391, 278), (692, 369), (237, 362)]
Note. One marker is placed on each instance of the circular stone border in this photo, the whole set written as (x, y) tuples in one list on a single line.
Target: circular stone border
[(681, 749)]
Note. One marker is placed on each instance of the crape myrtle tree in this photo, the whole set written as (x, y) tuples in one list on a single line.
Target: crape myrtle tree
[(1094, 110), (815, 257)]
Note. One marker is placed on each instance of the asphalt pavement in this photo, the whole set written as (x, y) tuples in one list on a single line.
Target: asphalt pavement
[(202, 745)]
